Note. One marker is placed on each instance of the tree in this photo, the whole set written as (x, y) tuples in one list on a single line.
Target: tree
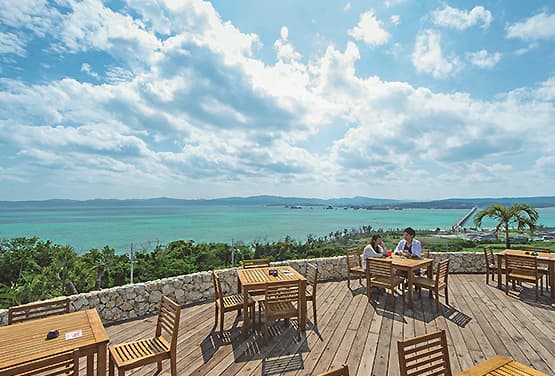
[(521, 215)]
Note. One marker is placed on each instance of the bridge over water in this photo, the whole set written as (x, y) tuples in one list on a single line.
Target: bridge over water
[(460, 223)]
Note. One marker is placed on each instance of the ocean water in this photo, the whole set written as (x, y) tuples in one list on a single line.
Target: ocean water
[(145, 226)]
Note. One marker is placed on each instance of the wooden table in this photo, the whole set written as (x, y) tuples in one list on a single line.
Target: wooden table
[(410, 265), (259, 279), (543, 258), (27, 341), (501, 365)]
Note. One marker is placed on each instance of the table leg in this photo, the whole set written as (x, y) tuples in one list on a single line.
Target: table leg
[(302, 292), (90, 364), (552, 278), (410, 278), (101, 360), (499, 257), (245, 312)]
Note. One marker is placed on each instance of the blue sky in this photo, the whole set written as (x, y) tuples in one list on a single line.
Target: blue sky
[(190, 99)]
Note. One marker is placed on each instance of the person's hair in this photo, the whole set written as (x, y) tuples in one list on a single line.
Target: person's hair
[(410, 231), (374, 240)]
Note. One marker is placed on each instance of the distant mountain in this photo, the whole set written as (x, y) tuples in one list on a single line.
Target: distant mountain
[(358, 201), (463, 203)]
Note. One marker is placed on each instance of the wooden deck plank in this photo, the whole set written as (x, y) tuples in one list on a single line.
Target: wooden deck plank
[(481, 321)]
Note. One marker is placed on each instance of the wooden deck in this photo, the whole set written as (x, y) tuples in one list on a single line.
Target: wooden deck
[(480, 323)]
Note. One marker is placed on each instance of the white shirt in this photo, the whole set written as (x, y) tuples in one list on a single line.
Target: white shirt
[(416, 249), (370, 252)]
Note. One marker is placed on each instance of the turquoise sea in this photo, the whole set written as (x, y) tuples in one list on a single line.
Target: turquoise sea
[(144, 226)]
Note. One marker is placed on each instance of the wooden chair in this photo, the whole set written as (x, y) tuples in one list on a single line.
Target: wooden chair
[(437, 283), (228, 303), (38, 310), (379, 272), (311, 284), (66, 364), (135, 354), (256, 263), (543, 271), (354, 265), (424, 355), (523, 269), (281, 301), (425, 254), (339, 371), (491, 264)]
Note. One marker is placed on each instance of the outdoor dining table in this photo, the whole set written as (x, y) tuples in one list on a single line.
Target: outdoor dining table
[(409, 265), (260, 279), (26, 341), (501, 365), (543, 258)]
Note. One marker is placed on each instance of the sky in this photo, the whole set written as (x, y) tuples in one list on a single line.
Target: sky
[(394, 99)]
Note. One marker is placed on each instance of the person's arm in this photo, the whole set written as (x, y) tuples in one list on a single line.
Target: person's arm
[(416, 248), (365, 254), (400, 247)]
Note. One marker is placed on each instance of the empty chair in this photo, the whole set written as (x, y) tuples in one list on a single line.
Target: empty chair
[(281, 301), (38, 310), (424, 355), (256, 263), (339, 371), (491, 264), (437, 283), (542, 270), (66, 364), (522, 269), (311, 284), (354, 265), (379, 272), (135, 354), (228, 303)]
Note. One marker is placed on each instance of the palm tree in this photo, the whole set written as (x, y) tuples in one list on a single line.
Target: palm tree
[(521, 215)]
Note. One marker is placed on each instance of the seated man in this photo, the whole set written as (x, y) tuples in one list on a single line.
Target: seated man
[(409, 246)]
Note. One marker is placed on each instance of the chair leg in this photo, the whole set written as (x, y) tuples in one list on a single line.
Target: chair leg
[(121, 372), (216, 317), (368, 289), (537, 291), (436, 292), (266, 333), (221, 321), (173, 364), (110, 365), (348, 279), (487, 276), (446, 295), (314, 309), (159, 366), (253, 313)]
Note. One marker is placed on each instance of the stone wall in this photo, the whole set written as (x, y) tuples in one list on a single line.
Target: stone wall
[(140, 299)]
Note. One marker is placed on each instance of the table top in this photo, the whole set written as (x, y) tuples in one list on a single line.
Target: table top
[(27, 341), (517, 252), (257, 276), (409, 262), (501, 365)]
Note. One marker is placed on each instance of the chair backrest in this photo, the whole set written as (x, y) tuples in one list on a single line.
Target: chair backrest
[(377, 267), (442, 272), (312, 277), (425, 253), (39, 310), (534, 249), (66, 364), (353, 258), (488, 255), (514, 262), (168, 320), (424, 355), (256, 263), (339, 371), (217, 286), (282, 292)]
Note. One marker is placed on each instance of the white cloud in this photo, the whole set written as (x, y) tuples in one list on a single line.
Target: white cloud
[(369, 30), (538, 27), (427, 56), (395, 19), (347, 7), (484, 59), (546, 91), (11, 43), (462, 19), (546, 165), (85, 67), (285, 50)]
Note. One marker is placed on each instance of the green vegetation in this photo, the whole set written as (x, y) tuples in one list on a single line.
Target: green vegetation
[(32, 269), (522, 215)]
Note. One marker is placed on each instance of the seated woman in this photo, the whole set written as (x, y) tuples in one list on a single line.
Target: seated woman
[(376, 248)]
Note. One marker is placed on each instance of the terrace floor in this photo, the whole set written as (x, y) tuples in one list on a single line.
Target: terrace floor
[(482, 321)]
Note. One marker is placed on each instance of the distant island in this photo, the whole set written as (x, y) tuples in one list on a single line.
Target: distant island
[(358, 202)]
